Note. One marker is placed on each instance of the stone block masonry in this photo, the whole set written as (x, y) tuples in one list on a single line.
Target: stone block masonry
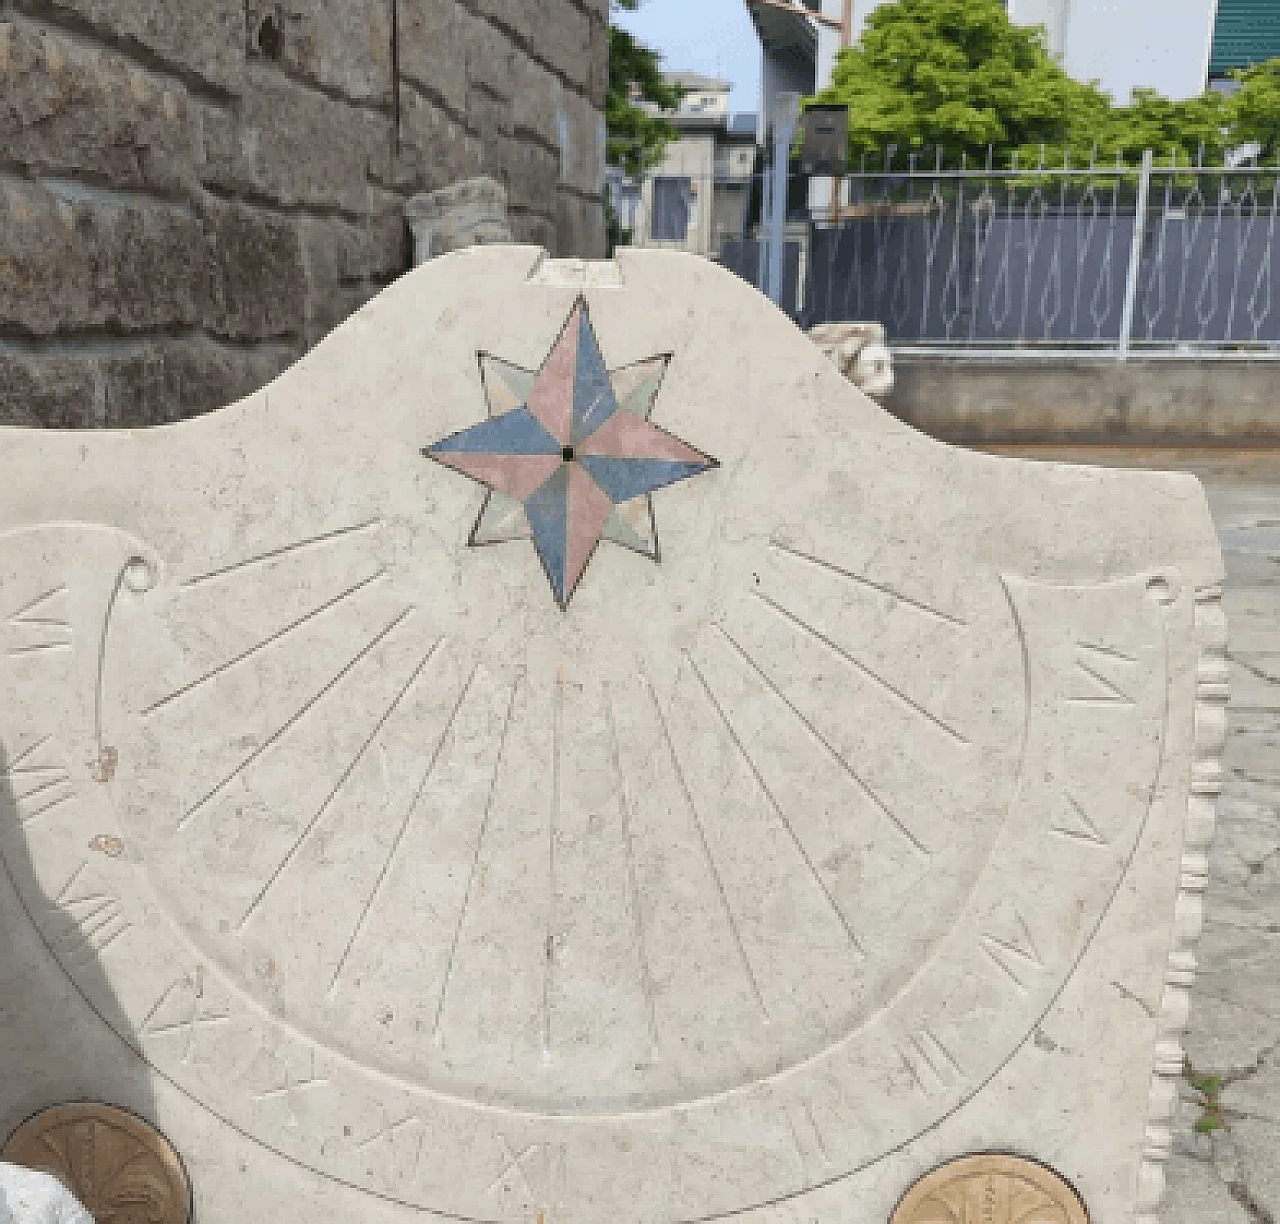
[(194, 192)]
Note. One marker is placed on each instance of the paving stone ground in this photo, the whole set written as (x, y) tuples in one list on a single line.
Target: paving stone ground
[(1226, 1164)]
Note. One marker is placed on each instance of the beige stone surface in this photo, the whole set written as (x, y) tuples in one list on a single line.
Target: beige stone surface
[(860, 827), (1228, 1122)]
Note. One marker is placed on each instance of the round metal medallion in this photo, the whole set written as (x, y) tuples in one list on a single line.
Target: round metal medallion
[(994, 1190), (121, 1168)]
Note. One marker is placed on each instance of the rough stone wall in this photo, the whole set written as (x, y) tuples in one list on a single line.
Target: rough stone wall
[(192, 192)]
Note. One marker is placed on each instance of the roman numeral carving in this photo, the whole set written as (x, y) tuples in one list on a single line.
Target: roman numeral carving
[(1008, 944), (933, 1067), (532, 1173), (807, 1137), (401, 1146), (41, 625), (182, 1013), (1074, 822), (39, 779), (284, 1084), (1101, 676), (90, 921)]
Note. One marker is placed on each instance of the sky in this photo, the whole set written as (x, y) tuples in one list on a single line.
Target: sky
[(714, 37)]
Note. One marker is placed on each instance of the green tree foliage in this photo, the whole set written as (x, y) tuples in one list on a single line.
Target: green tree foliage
[(959, 76), (635, 137), (1256, 108)]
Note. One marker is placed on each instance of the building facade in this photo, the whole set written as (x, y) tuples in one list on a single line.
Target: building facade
[(1175, 47), (697, 197), (1245, 32), (193, 192)]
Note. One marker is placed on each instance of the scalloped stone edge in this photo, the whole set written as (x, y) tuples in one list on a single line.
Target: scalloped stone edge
[(1210, 735)]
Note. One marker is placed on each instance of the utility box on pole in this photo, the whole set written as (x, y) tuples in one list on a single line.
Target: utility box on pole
[(826, 140)]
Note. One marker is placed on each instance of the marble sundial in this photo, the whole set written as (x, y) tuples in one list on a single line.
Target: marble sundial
[(414, 839)]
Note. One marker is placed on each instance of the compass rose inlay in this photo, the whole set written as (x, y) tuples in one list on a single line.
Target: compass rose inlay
[(569, 454)]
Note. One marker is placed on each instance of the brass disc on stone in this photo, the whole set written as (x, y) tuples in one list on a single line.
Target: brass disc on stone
[(120, 1168), (994, 1190)]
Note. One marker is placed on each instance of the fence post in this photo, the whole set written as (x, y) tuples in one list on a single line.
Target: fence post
[(1135, 258), (786, 114)]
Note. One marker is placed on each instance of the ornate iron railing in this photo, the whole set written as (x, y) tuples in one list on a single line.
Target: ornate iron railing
[(1161, 256)]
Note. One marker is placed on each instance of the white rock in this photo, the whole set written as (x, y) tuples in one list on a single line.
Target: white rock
[(860, 352), (28, 1197)]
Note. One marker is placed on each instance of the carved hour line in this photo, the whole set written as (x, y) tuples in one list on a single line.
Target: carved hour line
[(861, 667), (475, 857), (633, 887), (1085, 830), (262, 645), (831, 567), (706, 849), (17, 651), (783, 818), (548, 968), (49, 626), (823, 741), (23, 615), (29, 817), (34, 771), (262, 558), (399, 837), (292, 720), (63, 778), (311, 824)]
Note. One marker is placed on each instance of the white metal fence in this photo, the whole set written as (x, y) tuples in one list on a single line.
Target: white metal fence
[(1156, 257)]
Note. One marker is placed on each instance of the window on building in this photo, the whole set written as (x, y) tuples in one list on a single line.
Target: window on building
[(672, 204), (1245, 32)]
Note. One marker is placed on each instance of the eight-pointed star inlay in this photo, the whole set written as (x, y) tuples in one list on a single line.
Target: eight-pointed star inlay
[(569, 454)]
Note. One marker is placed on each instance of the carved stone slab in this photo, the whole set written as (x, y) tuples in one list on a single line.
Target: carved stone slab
[(562, 753)]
